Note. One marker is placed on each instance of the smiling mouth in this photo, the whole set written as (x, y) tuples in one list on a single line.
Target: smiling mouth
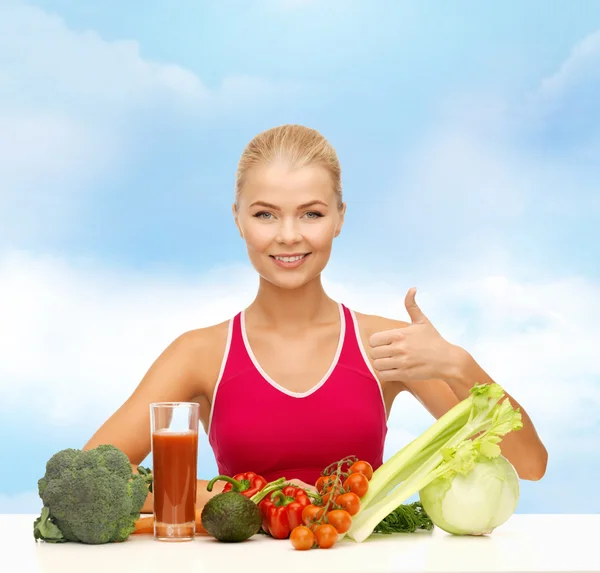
[(289, 259)]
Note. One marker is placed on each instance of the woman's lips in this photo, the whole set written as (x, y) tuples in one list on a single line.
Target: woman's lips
[(289, 261)]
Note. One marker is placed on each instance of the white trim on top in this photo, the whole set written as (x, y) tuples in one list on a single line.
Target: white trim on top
[(220, 376), (364, 355), (279, 386)]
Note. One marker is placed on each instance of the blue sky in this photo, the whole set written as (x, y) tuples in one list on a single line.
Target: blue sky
[(468, 135)]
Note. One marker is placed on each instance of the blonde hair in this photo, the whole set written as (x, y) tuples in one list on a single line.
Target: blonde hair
[(296, 144)]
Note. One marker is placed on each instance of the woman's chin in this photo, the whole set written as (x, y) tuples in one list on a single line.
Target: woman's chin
[(287, 283), (289, 280)]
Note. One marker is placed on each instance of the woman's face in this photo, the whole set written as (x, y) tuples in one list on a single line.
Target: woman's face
[(288, 218)]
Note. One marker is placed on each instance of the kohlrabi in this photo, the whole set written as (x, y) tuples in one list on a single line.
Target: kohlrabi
[(457, 443), (474, 503)]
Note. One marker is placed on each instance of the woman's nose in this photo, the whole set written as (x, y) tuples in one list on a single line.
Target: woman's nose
[(288, 232)]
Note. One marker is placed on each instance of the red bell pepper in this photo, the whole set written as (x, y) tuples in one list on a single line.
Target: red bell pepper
[(282, 511), (247, 484)]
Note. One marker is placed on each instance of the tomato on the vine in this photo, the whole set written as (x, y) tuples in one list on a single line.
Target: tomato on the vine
[(321, 483), (348, 501), (311, 513), (326, 483), (357, 483), (302, 538), (362, 467), (326, 535), (340, 519)]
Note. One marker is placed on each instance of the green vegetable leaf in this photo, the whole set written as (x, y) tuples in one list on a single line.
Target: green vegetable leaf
[(406, 518), (45, 529), (506, 419), (466, 457), (481, 394), (488, 446)]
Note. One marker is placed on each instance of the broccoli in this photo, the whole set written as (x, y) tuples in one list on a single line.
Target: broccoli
[(90, 496)]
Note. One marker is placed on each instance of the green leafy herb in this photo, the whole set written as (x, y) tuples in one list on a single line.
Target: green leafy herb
[(406, 518)]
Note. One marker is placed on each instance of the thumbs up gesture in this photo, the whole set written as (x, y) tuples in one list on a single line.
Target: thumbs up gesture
[(414, 353)]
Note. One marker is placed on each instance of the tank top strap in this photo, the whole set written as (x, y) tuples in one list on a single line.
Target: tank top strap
[(235, 358), (354, 354)]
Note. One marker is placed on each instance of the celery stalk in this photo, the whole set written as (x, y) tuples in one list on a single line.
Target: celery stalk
[(445, 447), (411, 466)]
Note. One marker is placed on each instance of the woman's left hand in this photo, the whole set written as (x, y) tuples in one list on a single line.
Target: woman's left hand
[(414, 353)]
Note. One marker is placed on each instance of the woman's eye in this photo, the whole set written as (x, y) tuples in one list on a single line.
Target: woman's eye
[(314, 214), (262, 215)]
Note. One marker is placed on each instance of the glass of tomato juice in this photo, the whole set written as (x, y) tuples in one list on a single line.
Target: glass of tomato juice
[(174, 431)]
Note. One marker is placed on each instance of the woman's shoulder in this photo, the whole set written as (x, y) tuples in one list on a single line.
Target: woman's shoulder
[(369, 324), (204, 339), (196, 354)]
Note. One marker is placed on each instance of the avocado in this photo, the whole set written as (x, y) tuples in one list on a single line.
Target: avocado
[(231, 516)]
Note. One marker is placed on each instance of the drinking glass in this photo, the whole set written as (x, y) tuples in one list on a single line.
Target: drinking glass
[(174, 431)]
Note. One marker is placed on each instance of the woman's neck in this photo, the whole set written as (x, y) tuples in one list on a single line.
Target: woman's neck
[(284, 308)]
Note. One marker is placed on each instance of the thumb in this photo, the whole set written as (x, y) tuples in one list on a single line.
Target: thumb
[(415, 313)]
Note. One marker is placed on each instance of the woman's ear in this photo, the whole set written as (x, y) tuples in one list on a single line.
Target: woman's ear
[(338, 227), (234, 210)]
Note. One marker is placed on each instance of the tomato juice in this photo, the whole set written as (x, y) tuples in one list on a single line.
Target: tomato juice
[(175, 458)]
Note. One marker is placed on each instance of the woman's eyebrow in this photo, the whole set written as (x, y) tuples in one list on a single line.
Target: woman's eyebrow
[(303, 206)]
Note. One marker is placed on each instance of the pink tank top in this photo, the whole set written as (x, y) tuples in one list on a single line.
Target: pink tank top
[(257, 425)]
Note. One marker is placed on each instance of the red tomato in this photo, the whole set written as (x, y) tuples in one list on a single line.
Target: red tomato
[(326, 535), (340, 519), (327, 483), (357, 483), (302, 538), (349, 501), (363, 468), (311, 513), (321, 482)]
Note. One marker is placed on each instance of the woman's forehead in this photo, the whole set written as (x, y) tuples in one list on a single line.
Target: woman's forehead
[(280, 184)]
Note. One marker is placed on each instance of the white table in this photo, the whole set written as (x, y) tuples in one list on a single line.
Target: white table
[(525, 543)]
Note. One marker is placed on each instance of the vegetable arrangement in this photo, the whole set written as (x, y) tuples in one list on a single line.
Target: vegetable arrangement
[(309, 519), (465, 487)]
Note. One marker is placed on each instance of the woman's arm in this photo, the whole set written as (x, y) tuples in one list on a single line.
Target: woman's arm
[(524, 448), (171, 377), (182, 372), (414, 356)]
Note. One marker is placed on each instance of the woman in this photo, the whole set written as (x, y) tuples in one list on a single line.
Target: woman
[(297, 380)]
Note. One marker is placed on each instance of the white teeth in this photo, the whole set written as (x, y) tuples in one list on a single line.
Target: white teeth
[(289, 259)]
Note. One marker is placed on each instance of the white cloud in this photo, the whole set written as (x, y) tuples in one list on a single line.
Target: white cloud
[(537, 339), (93, 332), (82, 68), (77, 338), (70, 105), (564, 110), (580, 67), (493, 172)]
